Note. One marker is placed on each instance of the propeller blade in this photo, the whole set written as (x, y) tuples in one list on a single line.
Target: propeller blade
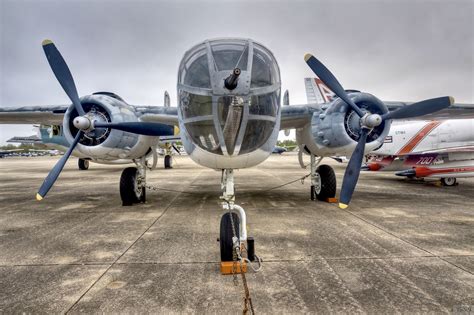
[(330, 80), (62, 73), (54, 173), (141, 128), (420, 108), (352, 172), (176, 149)]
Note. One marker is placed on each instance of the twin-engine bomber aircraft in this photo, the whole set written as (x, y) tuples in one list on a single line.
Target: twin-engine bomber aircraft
[(229, 116)]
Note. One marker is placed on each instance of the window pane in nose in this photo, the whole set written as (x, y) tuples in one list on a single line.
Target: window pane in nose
[(229, 56), (193, 105), (197, 74)]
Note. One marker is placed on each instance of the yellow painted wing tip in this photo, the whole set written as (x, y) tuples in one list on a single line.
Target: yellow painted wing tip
[(451, 100), (307, 56), (343, 205), (38, 197), (47, 42)]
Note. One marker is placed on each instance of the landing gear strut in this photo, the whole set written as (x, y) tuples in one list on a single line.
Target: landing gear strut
[(323, 180), (133, 184), (233, 228)]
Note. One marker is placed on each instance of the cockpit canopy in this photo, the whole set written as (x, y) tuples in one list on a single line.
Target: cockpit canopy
[(246, 116)]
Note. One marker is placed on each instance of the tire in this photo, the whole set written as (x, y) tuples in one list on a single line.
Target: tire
[(448, 181), (129, 193), (328, 183), (226, 235), (168, 161), (83, 164)]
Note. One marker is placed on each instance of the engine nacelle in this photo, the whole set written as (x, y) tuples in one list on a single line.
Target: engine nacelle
[(335, 130), (103, 143)]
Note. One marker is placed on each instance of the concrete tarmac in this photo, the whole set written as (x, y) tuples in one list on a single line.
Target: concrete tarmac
[(401, 247)]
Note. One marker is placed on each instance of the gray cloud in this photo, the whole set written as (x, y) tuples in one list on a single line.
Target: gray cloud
[(397, 50)]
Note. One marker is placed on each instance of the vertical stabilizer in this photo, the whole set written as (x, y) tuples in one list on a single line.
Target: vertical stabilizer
[(286, 102), (317, 92), (167, 99)]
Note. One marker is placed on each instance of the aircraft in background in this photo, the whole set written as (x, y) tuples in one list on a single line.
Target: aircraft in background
[(229, 114), (279, 150), (5, 153), (436, 149)]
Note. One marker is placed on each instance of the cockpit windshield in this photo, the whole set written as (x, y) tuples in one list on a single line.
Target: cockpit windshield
[(223, 121)]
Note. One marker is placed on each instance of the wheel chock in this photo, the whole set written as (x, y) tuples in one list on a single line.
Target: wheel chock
[(228, 268), (332, 200)]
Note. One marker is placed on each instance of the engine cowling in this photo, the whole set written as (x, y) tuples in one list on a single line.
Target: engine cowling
[(104, 143), (335, 130)]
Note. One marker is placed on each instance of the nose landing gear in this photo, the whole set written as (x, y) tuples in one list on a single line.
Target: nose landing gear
[(233, 231)]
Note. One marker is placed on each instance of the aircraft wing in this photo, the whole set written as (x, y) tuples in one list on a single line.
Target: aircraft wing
[(170, 139), (455, 111), (158, 114), (455, 149), (48, 115), (297, 116), (53, 114)]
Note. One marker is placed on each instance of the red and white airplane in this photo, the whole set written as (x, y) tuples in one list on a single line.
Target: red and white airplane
[(438, 149), (441, 149)]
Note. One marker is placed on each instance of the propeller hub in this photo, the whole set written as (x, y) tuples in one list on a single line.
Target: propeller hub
[(82, 123), (371, 120)]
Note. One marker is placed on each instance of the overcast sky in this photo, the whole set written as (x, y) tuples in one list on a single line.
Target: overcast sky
[(397, 50)]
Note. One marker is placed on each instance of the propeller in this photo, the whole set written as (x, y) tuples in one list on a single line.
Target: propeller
[(176, 149), (368, 121), (82, 122), (54, 173), (141, 128), (62, 73)]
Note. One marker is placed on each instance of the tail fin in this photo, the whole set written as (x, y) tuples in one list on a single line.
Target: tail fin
[(167, 99), (317, 92), (286, 102)]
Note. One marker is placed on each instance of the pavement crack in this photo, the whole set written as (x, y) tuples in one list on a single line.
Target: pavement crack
[(440, 257), (131, 245)]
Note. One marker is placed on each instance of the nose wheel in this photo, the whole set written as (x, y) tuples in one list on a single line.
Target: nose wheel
[(237, 251), (227, 232)]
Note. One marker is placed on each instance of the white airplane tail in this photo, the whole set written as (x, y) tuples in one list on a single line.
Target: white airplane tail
[(317, 92)]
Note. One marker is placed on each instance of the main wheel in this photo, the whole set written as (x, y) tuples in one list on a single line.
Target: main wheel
[(130, 189), (326, 187), (168, 161), (448, 181), (226, 235), (83, 164)]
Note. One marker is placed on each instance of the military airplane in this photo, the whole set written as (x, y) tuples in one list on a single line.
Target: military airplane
[(229, 115), (5, 153), (436, 149)]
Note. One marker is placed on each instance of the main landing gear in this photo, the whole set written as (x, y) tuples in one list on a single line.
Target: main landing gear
[(83, 164), (133, 184), (448, 181), (236, 248), (168, 159), (323, 181)]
